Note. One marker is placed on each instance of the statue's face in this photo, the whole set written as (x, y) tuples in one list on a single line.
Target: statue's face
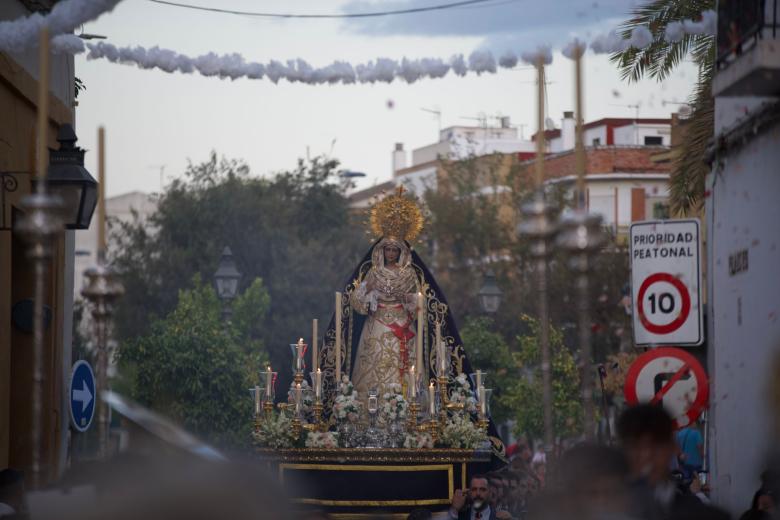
[(391, 254)]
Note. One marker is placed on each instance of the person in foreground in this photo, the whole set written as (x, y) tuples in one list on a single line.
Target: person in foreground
[(475, 503)]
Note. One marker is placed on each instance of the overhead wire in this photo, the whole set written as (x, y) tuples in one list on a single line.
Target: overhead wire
[(315, 16)]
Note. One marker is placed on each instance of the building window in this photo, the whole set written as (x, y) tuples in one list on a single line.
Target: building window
[(661, 210), (596, 141), (654, 140)]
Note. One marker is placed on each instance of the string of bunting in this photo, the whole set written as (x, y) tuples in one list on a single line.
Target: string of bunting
[(20, 34)]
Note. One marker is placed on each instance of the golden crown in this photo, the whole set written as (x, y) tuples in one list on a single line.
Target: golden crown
[(396, 216)]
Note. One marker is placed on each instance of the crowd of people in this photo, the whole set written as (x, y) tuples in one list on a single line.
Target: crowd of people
[(655, 474)]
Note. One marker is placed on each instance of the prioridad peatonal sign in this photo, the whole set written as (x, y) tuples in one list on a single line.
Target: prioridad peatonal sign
[(666, 282)]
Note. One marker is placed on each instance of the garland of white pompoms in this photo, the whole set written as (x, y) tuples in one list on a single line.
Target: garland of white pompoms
[(21, 34)]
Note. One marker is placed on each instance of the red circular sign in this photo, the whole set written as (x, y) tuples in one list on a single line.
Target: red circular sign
[(689, 364), (685, 299)]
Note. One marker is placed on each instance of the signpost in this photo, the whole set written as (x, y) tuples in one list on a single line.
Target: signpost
[(82, 395), (671, 377), (666, 283)]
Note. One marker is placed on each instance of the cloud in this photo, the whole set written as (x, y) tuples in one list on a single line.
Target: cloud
[(513, 24)]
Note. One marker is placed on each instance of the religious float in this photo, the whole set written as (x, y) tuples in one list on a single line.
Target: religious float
[(391, 416)]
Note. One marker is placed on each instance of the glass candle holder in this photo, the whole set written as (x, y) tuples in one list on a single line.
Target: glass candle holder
[(268, 384), (316, 383), (478, 379), (298, 351)]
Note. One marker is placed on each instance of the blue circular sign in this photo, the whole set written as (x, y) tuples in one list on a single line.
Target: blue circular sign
[(82, 395)]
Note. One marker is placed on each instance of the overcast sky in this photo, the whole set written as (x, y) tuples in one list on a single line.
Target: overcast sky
[(155, 119)]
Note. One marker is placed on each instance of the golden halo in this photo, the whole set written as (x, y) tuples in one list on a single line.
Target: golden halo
[(397, 217)]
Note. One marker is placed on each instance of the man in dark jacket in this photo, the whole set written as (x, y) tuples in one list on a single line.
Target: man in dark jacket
[(474, 503)]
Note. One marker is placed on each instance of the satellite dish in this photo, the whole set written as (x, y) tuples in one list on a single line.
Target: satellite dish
[(549, 124)]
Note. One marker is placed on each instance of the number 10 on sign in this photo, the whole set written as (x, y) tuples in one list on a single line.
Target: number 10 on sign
[(665, 282)]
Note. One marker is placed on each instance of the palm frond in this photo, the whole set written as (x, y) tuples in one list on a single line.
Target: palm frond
[(659, 58), (686, 184)]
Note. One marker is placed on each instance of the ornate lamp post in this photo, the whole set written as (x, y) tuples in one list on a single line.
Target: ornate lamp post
[(102, 289), (582, 237), (39, 227), (226, 279), (490, 295), (538, 225)]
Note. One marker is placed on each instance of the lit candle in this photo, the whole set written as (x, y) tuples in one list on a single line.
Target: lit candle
[(439, 354), (482, 402), (412, 383), (318, 383), (431, 400), (315, 355), (268, 381), (337, 346), (299, 361), (420, 323), (257, 400), (297, 397)]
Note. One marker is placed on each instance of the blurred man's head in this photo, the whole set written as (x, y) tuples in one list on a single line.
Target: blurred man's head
[(479, 491), (594, 478), (647, 434)]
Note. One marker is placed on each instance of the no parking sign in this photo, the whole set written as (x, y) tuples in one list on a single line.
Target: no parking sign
[(666, 282), (670, 377)]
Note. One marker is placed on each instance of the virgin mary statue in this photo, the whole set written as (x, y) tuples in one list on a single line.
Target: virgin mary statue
[(380, 313)]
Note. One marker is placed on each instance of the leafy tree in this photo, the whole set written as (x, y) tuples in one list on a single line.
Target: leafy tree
[(488, 351), (293, 230), (194, 369), (658, 61), (472, 227), (525, 397)]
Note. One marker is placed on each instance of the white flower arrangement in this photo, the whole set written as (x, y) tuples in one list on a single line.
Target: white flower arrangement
[(418, 440), (463, 394), (461, 432), (394, 406), (325, 440), (346, 406), (275, 432)]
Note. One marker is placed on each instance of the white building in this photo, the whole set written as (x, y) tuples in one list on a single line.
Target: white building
[(610, 131), (121, 208), (455, 142), (742, 215)]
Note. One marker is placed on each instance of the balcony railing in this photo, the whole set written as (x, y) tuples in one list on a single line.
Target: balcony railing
[(741, 24)]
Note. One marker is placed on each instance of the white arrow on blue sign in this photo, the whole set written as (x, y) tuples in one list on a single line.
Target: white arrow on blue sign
[(82, 395)]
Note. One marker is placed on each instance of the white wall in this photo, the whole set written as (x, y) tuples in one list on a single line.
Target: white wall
[(419, 181), (601, 197), (599, 132), (744, 329), (635, 134), (461, 142)]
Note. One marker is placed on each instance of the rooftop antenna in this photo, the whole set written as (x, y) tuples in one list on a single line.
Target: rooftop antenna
[(636, 107), (161, 168), (437, 113)]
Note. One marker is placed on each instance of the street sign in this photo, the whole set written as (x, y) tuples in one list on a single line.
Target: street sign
[(666, 283), (671, 377), (82, 395)]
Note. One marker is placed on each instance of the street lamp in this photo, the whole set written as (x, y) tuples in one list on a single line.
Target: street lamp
[(69, 180), (490, 295), (226, 279), (346, 177)]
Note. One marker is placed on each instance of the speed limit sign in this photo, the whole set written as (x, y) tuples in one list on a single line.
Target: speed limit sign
[(666, 282)]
